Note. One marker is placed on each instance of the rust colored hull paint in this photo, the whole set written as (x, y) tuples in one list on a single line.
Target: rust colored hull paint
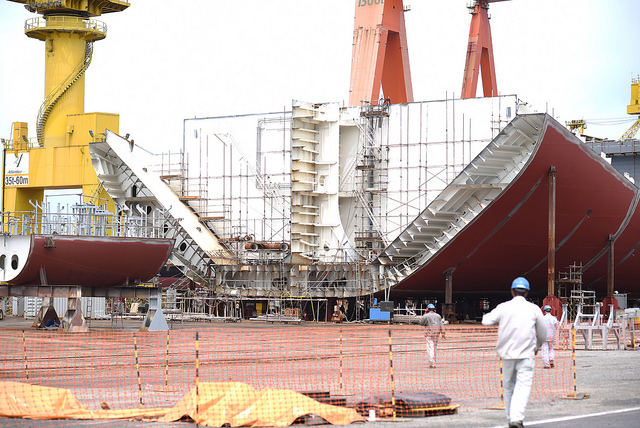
[(510, 236), (93, 261)]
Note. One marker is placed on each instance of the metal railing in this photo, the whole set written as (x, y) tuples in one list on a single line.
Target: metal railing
[(611, 147), (65, 22), (85, 220), (20, 143)]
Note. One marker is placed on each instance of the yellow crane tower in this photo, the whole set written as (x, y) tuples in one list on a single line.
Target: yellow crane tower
[(633, 108), (59, 157)]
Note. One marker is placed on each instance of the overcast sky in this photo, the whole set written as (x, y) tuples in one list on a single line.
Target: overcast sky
[(165, 61)]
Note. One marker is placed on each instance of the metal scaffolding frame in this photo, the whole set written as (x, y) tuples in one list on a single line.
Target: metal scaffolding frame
[(241, 187)]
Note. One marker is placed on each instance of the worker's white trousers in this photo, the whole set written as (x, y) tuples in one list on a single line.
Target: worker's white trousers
[(548, 353), (432, 342), (517, 376)]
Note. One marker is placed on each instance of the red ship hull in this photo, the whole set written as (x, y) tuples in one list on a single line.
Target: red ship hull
[(509, 238), (83, 260)]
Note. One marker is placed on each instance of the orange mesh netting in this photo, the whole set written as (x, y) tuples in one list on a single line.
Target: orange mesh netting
[(264, 369)]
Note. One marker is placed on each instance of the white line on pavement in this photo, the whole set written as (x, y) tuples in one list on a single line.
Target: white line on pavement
[(569, 418)]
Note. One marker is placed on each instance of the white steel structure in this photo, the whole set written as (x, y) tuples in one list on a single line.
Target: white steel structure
[(301, 202)]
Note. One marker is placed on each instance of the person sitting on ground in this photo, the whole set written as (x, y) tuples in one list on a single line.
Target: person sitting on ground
[(338, 315)]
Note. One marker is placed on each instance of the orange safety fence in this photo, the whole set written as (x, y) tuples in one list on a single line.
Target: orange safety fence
[(380, 368)]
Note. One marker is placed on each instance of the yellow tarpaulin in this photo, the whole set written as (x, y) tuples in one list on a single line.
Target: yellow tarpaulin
[(213, 404)]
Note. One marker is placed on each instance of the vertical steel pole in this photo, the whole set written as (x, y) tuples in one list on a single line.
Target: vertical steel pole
[(610, 267), (551, 259), (448, 294)]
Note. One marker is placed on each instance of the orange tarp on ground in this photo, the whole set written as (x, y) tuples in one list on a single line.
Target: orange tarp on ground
[(231, 403)]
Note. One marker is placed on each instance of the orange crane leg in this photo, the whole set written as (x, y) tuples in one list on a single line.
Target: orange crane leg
[(380, 55), (479, 55)]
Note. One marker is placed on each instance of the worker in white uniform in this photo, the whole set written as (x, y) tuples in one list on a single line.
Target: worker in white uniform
[(548, 353), (521, 333), (433, 322)]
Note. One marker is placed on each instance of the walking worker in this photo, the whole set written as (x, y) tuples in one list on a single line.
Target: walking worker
[(521, 333), (548, 353), (433, 322)]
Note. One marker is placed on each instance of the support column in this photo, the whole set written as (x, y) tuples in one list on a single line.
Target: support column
[(449, 311), (47, 312), (610, 299), (551, 299), (551, 259), (155, 320), (73, 320)]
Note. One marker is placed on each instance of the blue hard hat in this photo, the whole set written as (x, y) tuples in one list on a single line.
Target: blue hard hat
[(430, 306), (547, 308), (521, 283)]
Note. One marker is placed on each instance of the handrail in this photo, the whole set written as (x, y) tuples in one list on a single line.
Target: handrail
[(59, 90), (85, 220), (65, 22)]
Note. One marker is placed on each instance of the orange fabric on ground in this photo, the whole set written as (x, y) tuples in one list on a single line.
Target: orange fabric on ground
[(239, 404), (234, 403)]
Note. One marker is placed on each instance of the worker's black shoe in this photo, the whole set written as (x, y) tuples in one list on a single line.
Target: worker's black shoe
[(516, 424)]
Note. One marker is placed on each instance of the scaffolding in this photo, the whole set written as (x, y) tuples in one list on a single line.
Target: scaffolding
[(265, 183), (578, 300), (372, 169)]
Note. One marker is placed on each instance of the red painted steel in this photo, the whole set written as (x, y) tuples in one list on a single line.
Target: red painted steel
[(93, 261), (380, 54), (509, 237), (479, 55)]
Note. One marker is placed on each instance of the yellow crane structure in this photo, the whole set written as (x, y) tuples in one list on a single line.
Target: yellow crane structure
[(633, 108), (59, 157)]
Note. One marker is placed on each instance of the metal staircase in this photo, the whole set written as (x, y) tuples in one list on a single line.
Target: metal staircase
[(56, 93)]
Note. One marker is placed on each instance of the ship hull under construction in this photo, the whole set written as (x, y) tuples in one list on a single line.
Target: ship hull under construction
[(535, 191), (92, 261), (596, 216)]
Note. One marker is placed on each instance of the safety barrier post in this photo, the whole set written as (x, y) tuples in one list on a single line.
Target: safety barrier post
[(197, 416), (573, 363), (135, 351), (501, 406), (166, 366), (573, 357), (501, 387), (24, 346), (341, 383), (393, 389)]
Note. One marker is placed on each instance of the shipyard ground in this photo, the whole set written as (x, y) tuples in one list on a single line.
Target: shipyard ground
[(607, 379)]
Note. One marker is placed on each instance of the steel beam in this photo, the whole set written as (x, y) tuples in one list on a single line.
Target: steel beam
[(551, 259)]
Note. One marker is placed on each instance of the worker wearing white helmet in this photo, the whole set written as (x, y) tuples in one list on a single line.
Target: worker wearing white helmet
[(433, 322), (521, 333), (548, 353)]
